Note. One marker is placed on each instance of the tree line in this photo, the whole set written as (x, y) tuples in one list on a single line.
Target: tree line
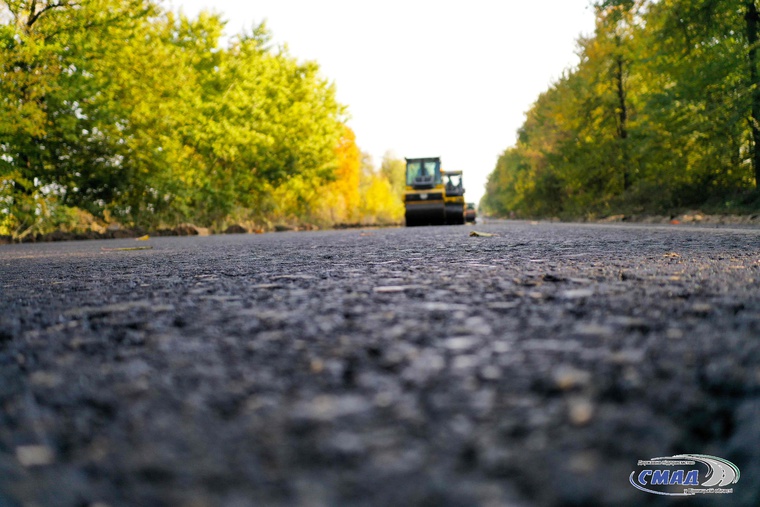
[(125, 111), (661, 113)]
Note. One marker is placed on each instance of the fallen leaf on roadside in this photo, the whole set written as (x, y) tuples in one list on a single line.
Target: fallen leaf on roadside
[(476, 234), (126, 249), (143, 238)]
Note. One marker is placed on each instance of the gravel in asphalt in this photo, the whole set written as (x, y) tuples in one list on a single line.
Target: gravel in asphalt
[(416, 366)]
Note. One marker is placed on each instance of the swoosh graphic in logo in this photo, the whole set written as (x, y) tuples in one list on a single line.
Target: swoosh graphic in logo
[(722, 472)]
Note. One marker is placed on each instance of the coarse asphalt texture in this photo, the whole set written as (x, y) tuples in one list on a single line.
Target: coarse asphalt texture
[(418, 366)]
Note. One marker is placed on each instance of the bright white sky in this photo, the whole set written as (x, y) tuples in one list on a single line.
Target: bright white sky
[(424, 78)]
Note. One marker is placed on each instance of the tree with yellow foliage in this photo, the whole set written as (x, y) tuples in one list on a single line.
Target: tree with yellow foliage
[(380, 203), (339, 202)]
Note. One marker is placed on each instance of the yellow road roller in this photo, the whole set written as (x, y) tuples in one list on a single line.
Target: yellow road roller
[(432, 196), (453, 197), (424, 195)]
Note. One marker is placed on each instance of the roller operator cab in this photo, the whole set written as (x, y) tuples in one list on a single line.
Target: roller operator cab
[(424, 195)]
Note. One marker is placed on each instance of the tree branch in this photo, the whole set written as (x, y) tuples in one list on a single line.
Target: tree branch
[(34, 16)]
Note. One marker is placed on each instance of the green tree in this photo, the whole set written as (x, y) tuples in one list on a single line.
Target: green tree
[(127, 110), (56, 136), (661, 112), (264, 119)]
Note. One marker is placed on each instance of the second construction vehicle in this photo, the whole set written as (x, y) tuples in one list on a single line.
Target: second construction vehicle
[(453, 197), (432, 196)]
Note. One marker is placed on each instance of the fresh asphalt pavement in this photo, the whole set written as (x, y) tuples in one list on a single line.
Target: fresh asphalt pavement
[(418, 366)]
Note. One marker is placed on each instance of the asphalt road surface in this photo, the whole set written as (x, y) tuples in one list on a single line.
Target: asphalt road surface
[(380, 367)]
